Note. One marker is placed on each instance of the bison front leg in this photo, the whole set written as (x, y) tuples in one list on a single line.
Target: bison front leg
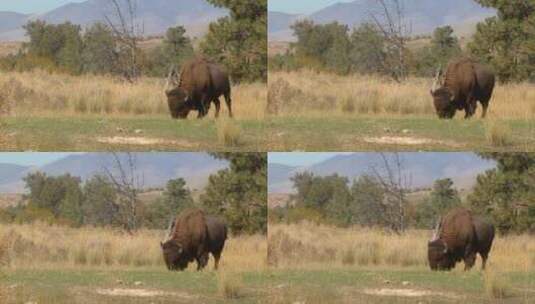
[(470, 106), (469, 258), (202, 261), (204, 106)]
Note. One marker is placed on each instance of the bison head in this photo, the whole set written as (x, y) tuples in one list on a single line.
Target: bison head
[(173, 255), (443, 101), (178, 102), (177, 97), (442, 98), (438, 257)]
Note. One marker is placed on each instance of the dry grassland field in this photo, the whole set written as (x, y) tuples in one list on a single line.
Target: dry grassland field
[(56, 112), (320, 111), (44, 264), (321, 264), (305, 111)]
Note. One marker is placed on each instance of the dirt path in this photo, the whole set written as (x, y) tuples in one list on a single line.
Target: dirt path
[(412, 293), (143, 293), (143, 141)]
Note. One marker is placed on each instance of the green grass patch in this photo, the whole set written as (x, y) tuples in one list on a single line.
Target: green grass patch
[(344, 133)]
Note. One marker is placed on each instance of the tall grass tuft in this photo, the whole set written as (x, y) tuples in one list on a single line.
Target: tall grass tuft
[(230, 285), (496, 285), (498, 133), (229, 132)]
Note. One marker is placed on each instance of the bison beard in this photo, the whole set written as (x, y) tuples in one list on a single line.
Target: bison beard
[(465, 83), (201, 83), (459, 236)]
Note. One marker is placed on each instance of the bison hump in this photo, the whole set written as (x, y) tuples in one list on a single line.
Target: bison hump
[(190, 229), (195, 76), (458, 228)]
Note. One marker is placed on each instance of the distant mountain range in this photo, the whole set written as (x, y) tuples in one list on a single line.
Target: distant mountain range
[(422, 15), (155, 169), (423, 169), (155, 16)]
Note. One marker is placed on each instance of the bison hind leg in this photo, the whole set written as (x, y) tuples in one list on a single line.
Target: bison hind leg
[(485, 104), (217, 107), (217, 256), (484, 257), (228, 101)]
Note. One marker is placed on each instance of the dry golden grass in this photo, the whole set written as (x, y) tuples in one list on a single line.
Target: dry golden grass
[(307, 245), (9, 48), (498, 133), (230, 285), (497, 286), (228, 133), (43, 246), (39, 92), (309, 93)]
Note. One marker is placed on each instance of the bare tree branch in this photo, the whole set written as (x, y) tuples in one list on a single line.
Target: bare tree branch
[(395, 183), (392, 24), (127, 184), (127, 33)]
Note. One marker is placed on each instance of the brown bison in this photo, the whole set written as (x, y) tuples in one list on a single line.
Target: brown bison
[(186, 241), (192, 237), (459, 236), (464, 83), (200, 83)]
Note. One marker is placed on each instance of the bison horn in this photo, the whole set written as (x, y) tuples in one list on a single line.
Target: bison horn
[(171, 79), (436, 231), (436, 82)]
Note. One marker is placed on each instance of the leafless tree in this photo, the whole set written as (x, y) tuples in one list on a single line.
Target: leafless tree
[(123, 22), (127, 183), (396, 184), (390, 20)]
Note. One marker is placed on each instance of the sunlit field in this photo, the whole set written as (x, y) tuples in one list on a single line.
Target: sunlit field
[(55, 112), (358, 264), (377, 113), (50, 264), (295, 111), (40, 93), (309, 93)]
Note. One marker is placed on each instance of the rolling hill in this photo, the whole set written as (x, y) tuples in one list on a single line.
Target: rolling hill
[(423, 16), (422, 168), (155, 169), (154, 16)]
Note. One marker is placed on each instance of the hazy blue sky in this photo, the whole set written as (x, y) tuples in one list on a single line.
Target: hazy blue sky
[(32, 6), (300, 159), (300, 6), (31, 159)]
